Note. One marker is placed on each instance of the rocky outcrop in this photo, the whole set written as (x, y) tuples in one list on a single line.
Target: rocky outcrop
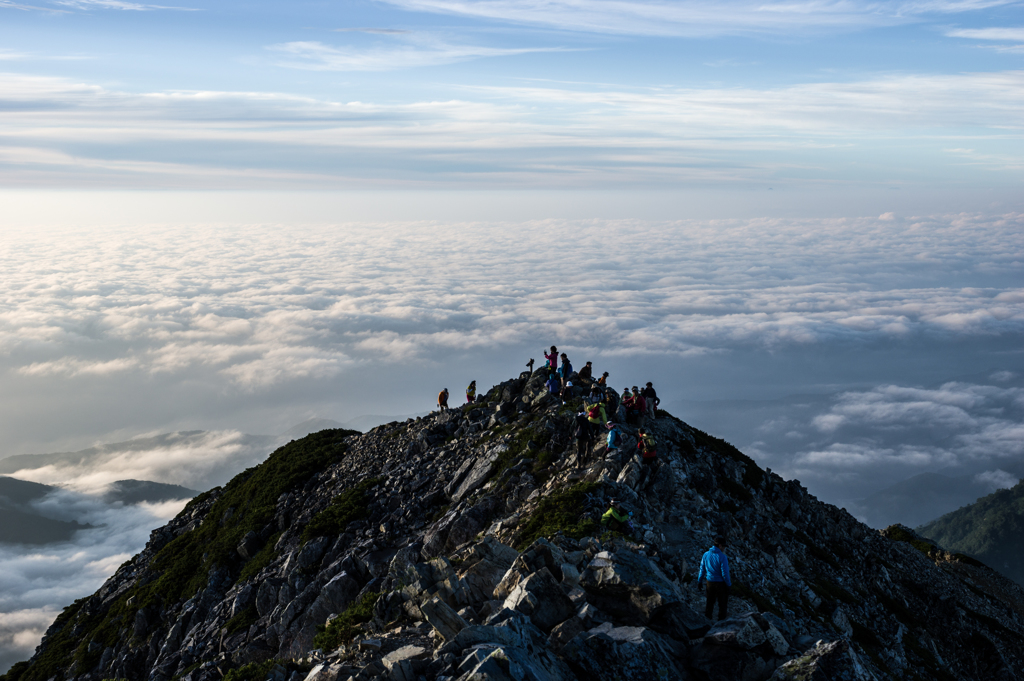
[(466, 545)]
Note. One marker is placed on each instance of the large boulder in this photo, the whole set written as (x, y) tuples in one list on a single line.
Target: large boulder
[(443, 618), (609, 653), (746, 648), (540, 597), (835, 661), (628, 586), (487, 564)]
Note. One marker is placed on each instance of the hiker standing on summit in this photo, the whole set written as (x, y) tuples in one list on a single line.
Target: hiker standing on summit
[(714, 569), (471, 392), (442, 400), (651, 397), (552, 358)]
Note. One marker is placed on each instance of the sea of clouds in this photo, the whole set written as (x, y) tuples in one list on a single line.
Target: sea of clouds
[(850, 353)]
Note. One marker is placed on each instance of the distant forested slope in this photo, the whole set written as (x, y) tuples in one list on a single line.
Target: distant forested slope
[(991, 530)]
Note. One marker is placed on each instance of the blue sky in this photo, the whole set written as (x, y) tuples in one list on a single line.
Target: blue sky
[(514, 94)]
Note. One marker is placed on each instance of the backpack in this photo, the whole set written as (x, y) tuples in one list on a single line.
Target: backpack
[(594, 411)]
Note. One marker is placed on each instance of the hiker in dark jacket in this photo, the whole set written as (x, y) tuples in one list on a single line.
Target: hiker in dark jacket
[(652, 400), (584, 435), (714, 569), (587, 372)]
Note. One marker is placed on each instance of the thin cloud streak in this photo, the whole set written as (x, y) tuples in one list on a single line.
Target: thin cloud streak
[(548, 136), (315, 56), (695, 19)]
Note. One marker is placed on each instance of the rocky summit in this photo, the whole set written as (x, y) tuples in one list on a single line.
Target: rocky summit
[(468, 545)]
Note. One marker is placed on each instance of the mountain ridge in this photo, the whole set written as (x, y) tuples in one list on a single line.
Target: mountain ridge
[(467, 545), (990, 530)]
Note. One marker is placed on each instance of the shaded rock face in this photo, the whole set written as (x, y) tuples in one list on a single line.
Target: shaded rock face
[(466, 545)]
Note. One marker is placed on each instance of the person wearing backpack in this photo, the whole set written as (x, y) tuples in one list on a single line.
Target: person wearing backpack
[(584, 436), (637, 407), (442, 400), (616, 518), (566, 369), (471, 392), (614, 437), (648, 455), (596, 415)]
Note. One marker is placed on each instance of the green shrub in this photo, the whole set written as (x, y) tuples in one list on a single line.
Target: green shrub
[(254, 671), (343, 627), (559, 512), (242, 620), (348, 506)]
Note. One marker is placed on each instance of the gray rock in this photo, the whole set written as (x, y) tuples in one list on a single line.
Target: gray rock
[(266, 596), (478, 474), (541, 598), (621, 654), (835, 661), (443, 618), (742, 633), (250, 545), (244, 599), (680, 621)]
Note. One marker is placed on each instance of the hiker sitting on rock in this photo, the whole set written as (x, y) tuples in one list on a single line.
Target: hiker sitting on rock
[(568, 391), (615, 518), (471, 392), (714, 569), (554, 385), (442, 400), (587, 372)]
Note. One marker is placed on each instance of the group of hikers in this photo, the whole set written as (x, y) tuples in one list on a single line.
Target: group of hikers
[(602, 412)]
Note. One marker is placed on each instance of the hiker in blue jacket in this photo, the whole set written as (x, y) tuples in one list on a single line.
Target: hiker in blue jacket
[(714, 569)]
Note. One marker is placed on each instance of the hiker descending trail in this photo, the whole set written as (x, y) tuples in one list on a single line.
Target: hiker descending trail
[(714, 571)]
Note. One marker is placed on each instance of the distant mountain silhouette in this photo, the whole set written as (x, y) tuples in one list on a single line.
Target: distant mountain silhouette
[(22, 524), (919, 499), (139, 491)]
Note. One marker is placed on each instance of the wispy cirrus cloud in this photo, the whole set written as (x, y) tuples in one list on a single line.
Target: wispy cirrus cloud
[(695, 18), (316, 56), (119, 5), (998, 33), (572, 135)]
